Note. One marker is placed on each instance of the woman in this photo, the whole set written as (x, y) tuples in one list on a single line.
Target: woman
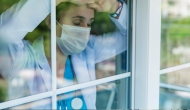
[(31, 63)]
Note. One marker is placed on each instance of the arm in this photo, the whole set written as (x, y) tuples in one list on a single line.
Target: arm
[(15, 23), (22, 18), (111, 44)]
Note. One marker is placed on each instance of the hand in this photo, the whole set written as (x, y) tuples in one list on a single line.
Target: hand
[(76, 2), (109, 6), (81, 2)]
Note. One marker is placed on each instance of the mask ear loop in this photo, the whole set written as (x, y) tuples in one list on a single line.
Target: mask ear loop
[(58, 23)]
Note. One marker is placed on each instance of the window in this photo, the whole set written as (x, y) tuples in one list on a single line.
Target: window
[(175, 36), (112, 85)]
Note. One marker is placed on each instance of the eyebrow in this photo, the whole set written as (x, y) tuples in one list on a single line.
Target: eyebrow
[(79, 17), (82, 17)]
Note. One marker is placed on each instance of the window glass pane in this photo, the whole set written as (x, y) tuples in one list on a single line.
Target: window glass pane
[(24, 48), (171, 99), (175, 47), (89, 41), (40, 104), (105, 96), (180, 78)]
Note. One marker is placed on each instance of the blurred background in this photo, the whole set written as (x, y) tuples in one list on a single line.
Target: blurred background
[(175, 50)]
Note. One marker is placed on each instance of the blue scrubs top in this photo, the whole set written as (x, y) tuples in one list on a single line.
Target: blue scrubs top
[(69, 75)]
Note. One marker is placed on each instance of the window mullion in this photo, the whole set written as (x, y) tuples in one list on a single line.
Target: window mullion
[(53, 52), (175, 87), (147, 57), (175, 68), (24, 100), (92, 83)]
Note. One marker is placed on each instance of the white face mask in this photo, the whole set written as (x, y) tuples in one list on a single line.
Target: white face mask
[(73, 39)]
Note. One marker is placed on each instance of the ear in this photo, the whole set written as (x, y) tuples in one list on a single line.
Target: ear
[(48, 21)]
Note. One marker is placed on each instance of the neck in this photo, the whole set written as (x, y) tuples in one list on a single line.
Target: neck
[(60, 60), (60, 57)]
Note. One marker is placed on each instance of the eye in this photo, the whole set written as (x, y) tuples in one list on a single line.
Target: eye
[(92, 20), (76, 22), (89, 25)]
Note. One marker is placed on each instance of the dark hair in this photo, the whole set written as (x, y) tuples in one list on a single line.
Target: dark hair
[(64, 6)]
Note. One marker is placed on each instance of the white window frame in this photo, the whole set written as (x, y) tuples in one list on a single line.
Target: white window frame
[(53, 94), (146, 62), (175, 68)]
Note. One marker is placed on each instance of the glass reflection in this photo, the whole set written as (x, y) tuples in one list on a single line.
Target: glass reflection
[(107, 96), (171, 99), (25, 53), (106, 68), (24, 45), (180, 78), (175, 48), (88, 42), (36, 105)]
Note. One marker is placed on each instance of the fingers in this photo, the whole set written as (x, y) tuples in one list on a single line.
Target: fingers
[(88, 1), (82, 2), (95, 6), (91, 1)]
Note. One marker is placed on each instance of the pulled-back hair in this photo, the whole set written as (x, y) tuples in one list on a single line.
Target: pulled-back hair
[(64, 6)]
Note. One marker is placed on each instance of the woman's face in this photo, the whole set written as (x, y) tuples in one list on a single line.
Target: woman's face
[(76, 16)]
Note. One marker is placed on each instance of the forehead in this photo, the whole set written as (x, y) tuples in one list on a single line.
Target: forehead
[(83, 10)]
